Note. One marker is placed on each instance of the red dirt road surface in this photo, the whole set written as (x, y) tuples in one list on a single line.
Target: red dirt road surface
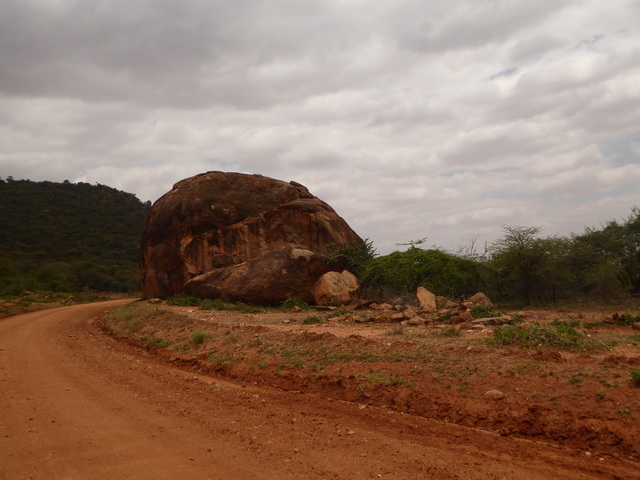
[(76, 404)]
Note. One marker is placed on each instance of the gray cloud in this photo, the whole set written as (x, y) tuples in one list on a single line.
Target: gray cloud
[(412, 118)]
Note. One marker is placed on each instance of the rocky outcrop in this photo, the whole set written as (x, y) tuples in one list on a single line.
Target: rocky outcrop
[(271, 278), (217, 220), (336, 288)]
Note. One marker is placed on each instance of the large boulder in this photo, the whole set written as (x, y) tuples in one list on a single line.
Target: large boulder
[(426, 300), (217, 220), (271, 278), (336, 288)]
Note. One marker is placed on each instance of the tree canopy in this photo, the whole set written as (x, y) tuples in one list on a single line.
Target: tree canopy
[(68, 237)]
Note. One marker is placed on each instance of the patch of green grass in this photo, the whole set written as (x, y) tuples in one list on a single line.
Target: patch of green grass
[(231, 339), (482, 311), (181, 347), (627, 319), (212, 304), (156, 341), (556, 334), (516, 320), (184, 300), (219, 359), (197, 338), (609, 384), (635, 376), (450, 332), (247, 308), (564, 323), (576, 380), (592, 325), (386, 379), (290, 303)]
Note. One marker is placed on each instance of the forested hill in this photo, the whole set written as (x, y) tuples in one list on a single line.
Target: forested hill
[(68, 237)]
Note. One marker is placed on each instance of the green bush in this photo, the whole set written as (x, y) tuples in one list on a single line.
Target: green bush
[(401, 273), (357, 257), (635, 376)]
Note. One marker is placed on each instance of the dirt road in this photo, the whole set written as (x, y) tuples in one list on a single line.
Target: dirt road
[(76, 404)]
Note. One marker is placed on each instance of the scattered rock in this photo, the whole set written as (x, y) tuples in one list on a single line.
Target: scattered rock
[(450, 304), (358, 303), (336, 288), (325, 308), (398, 301), (466, 316), (409, 313), (441, 301), (481, 299), (426, 300), (494, 395), (501, 320), (380, 306), (414, 322)]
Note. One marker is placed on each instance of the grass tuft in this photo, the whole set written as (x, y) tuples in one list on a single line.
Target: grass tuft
[(557, 334)]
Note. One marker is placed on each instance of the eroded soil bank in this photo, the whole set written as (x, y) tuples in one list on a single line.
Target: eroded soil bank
[(582, 398)]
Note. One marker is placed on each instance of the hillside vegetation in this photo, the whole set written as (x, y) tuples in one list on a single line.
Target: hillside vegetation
[(522, 267), (65, 237), (68, 237)]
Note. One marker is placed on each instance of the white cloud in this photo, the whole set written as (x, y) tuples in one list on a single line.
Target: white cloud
[(411, 118)]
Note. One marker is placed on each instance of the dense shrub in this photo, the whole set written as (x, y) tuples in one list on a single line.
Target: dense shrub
[(401, 273)]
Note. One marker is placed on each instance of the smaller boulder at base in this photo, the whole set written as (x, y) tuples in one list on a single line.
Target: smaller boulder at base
[(426, 300), (272, 278), (336, 288), (481, 299)]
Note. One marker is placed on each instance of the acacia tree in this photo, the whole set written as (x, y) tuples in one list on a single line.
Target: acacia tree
[(615, 254), (401, 273), (518, 262)]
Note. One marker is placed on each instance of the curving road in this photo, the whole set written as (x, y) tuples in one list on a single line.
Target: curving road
[(75, 404)]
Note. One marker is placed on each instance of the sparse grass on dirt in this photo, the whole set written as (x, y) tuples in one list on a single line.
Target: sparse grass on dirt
[(32, 301), (576, 369), (185, 300), (482, 311), (557, 334)]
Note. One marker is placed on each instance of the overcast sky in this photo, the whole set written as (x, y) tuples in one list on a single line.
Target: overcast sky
[(445, 120)]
